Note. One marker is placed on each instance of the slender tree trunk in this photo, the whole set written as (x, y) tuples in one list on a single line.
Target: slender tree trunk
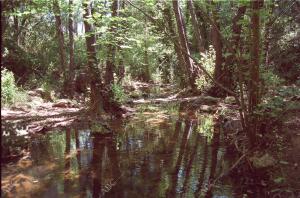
[(180, 58), (71, 47), (219, 73), (3, 26), (60, 36), (217, 43), (14, 5), (16, 29), (96, 100), (120, 71), (184, 44), (232, 59), (203, 25), (267, 38), (110, 62), (146, 76), (196, 26), (110, 105), (254, 70)]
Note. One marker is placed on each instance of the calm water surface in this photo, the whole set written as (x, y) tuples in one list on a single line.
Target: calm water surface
[(151, 155)]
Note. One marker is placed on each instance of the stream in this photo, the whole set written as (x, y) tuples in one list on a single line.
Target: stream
[(157, 153)]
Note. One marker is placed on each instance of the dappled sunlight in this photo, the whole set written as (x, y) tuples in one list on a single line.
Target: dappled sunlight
[(24, 163), (19, 184), (206, 127), (160, 119)]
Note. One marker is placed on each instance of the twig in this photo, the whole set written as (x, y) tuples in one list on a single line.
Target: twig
[(231, 168)]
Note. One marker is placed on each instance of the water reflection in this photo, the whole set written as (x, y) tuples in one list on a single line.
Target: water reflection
[(165, 159), (67, 161)]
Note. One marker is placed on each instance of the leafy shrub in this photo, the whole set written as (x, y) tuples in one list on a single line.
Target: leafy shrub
[(270, 79), (10, 93), (207, 60), (119, 94), (278, 101)]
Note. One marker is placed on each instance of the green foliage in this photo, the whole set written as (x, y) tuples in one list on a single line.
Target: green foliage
[(278, 101), (119, 94), (10, 93), (272, 107), (206, 127), (270, 79), (208, 62)]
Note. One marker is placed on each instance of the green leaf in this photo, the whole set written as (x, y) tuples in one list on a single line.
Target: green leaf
[(279, 180)]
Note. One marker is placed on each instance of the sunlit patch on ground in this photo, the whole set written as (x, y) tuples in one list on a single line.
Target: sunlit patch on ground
[(19, 184)]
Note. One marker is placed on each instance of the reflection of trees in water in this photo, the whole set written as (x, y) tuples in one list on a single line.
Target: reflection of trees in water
[(96, 163), (170, 149), (189, 164), (116, 190), (171, 191), (78, 150), (203, 168), (81, 176), (67, 161), (11, 142), (214, 152), (101, 162)]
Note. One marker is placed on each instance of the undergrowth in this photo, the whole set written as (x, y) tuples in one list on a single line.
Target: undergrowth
[(10, 92)]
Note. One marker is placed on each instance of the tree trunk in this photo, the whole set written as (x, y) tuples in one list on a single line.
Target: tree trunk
[(96, 100), (109, 104), (16, 29), (184, 44), (180, 67), (196, 26), (146, 76), (110, 62), (254, 70), (4, 19), (219, 73), (267, 38), (203, 25), (120, 71), (60, 36), (231, 60), (71, 47)]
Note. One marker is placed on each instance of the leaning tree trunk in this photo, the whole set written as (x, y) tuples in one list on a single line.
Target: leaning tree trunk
[(96, 100), (254, 71), (60, 36), (71, 48), (184, 44)]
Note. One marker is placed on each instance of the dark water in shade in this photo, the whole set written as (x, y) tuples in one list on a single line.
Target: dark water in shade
[(150, 155)]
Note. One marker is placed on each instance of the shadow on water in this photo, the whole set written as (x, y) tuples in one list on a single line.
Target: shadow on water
[(178, 156)]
